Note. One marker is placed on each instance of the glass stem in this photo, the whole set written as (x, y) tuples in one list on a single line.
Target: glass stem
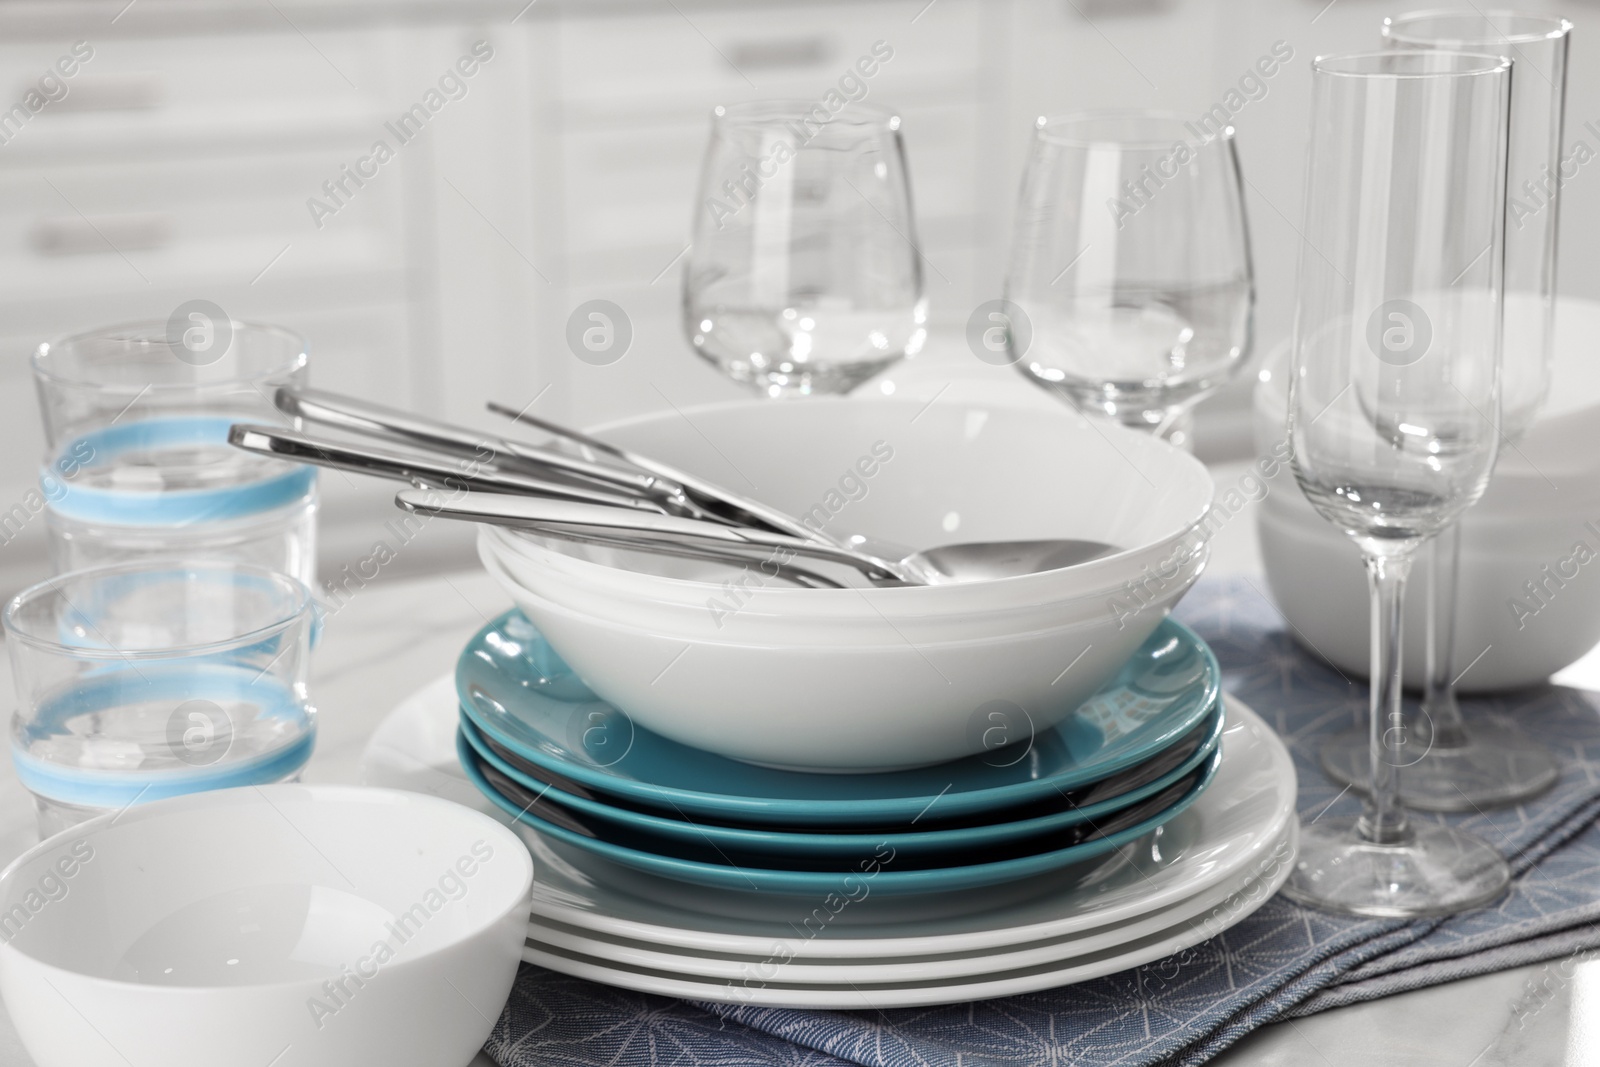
[(1442, 713), (1384, 819)]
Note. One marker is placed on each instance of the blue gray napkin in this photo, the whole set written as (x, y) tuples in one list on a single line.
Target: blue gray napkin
[(1282, 961)]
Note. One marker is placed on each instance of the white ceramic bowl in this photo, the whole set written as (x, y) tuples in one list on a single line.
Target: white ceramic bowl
[(866, 679), (1541, 505), (312, 925), (839, 706), (749, 613), (954, 472)]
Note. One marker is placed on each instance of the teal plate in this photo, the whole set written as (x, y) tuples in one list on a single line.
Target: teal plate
[(882, 864), (777, 848), (518, 693)]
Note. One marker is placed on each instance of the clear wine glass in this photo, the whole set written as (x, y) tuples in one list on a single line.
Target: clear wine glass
[(805, 275), (1462, 766), (1394, 411), (1131, 261)]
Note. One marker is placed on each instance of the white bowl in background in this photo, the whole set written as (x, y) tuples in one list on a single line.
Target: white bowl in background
[(314, 925), (1542, 503), (867, 679)]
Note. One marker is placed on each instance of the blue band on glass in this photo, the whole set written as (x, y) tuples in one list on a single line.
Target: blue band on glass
[(175, 684), (180, 507)]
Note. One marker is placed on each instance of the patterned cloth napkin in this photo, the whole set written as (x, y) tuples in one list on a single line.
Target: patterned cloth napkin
[(1282, 961)]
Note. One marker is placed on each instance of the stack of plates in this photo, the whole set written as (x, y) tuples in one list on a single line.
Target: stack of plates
[(1151, 819)]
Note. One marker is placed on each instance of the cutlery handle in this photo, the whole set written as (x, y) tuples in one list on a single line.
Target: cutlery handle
[(558, 516), (730, 556), (364, 416), (300, 447), (721, 503)]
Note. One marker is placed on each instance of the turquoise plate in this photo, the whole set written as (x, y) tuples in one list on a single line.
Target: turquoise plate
[(518, 693), (1017, 835), (885, 867)]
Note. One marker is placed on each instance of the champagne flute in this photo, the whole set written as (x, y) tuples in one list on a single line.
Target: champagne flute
[(805, 276), (1394, 404), (1465, 767), (1131, 260)]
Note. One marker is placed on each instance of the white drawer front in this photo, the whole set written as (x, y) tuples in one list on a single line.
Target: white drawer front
[(83, 227), (654, 63)]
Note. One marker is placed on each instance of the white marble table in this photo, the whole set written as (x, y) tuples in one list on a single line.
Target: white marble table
[(392, 638)]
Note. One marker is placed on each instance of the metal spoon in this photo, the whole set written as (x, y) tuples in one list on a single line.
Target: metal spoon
[(973, 561), (953, 563)]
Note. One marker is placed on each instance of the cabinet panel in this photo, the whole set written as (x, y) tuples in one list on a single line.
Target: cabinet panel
[(657, 62), (152, 79), (81, 226)]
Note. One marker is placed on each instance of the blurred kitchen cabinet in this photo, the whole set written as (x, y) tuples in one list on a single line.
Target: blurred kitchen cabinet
[(182, 167), (188, 154)]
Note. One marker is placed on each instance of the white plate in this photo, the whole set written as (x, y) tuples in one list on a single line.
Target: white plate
[(928, 990), (635, 955), (414, 749), (1227, 832)]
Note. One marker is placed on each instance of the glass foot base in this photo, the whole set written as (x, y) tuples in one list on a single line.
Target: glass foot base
[(1497, 767), (1439, 871)]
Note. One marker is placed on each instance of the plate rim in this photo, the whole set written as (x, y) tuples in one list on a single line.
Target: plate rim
[(823, 810), (868, 996), (847, 970), (433, 708), (1284, 776), (955, 837), (926, 880)]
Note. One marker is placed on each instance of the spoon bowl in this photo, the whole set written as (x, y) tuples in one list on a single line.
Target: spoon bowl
[(978, 561)]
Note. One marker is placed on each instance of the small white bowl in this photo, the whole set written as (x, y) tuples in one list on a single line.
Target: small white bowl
[(312, 925), (1542, 503)]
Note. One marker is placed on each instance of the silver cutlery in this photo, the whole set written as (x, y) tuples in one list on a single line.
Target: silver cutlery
[(730, 556), (421, 468), (419, 431), (973, 561), (715, 520), (720, 502), (569, 521)]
